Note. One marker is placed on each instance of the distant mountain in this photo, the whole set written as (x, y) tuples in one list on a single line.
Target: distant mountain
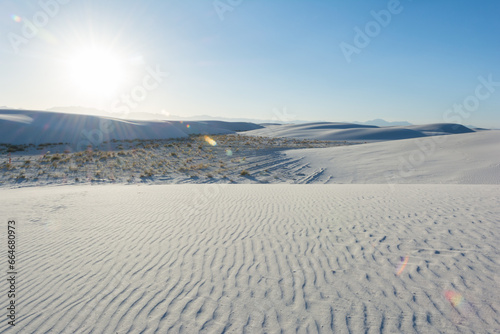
[(165, 116), (382, 122), (98, 112), (229, 119), (160, 116), (80, 110)]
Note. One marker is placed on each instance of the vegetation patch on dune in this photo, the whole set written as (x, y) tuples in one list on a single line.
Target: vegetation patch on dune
[(197, 159)]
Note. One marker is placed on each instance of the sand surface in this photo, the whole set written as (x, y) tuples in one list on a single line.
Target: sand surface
[(256, 258), (469, 158)]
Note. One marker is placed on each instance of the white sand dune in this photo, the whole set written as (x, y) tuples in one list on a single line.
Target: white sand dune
[(244, 258), (357, 132), (256, 258), (38, 127), (470, 158)]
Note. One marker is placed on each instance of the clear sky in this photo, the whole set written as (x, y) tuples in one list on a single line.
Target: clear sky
[(340, 60)]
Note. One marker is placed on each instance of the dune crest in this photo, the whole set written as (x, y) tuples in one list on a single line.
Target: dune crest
[(74, 129), (350, 131)]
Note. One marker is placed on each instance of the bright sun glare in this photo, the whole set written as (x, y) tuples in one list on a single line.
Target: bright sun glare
[(96, 72)]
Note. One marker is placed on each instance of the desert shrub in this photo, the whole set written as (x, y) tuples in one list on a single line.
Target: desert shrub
[(147, 173), (244, 173), (14, 148), (199, 166)]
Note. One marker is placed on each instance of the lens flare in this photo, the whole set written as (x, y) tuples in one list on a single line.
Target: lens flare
[(455, 298), (210, 141), (459, 302), (402, 265), (16, 18), (229, 153), (188, 126)]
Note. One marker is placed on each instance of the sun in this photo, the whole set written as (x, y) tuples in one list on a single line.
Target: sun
[(96, 72)]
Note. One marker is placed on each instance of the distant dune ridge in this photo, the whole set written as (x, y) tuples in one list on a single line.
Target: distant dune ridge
[(349, 131), (37, 127), (75, 129)]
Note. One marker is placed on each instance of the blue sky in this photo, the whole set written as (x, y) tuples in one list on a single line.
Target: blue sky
[(257, 59)]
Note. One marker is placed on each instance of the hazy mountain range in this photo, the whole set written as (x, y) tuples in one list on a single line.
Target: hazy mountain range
[(157, 116)]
